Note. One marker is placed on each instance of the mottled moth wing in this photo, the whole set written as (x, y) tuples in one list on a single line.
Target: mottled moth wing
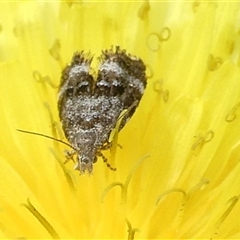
[(76, 82), (123, 76)]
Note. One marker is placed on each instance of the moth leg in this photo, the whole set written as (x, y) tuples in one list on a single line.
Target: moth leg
[(105, 160), (69, 155), (120, 146), (108, 145)]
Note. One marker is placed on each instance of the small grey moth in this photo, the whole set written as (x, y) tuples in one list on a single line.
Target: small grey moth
[(90, 108)]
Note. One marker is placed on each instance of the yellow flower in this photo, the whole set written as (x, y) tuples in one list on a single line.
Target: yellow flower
[(178, 170)]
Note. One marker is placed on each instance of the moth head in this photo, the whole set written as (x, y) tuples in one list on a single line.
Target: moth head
[(84, 164)]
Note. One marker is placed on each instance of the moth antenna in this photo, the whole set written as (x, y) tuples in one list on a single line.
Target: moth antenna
[(46, 136)]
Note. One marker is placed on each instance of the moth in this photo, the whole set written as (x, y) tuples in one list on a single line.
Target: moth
[(90, 106)]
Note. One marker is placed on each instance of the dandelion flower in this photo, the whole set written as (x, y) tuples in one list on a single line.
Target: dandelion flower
[(178, 170)]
